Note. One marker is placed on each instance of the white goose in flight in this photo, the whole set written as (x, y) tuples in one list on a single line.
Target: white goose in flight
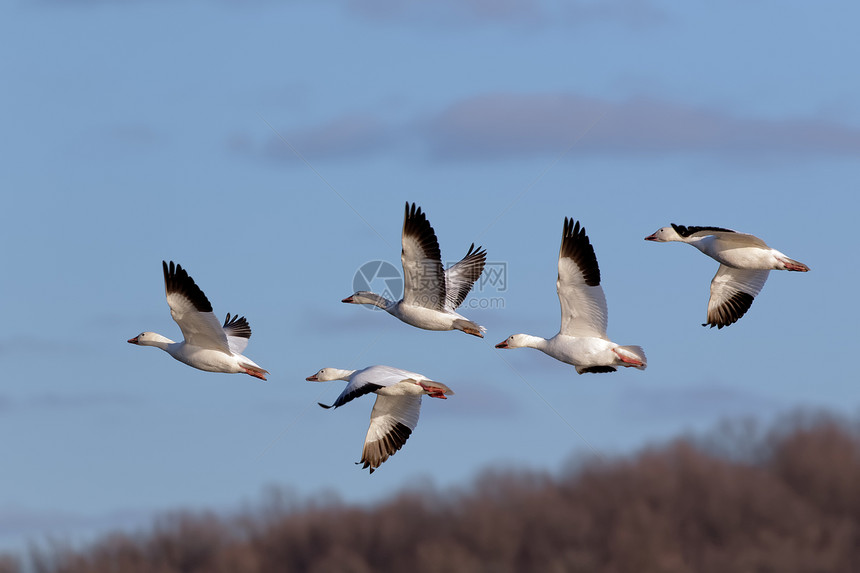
[(208, 345), (395, 412), (581, 340), (745, 262), (431, 295)]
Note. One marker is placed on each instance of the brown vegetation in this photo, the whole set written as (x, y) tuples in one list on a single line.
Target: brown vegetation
[(788, 501)]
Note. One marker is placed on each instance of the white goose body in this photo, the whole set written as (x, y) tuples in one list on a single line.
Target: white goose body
[(395, 412), (587, 354), (208, 344), (207, 359), (417, 315), (581, 340), (738, 254), (431, 295), (745, 262), (430, 319)]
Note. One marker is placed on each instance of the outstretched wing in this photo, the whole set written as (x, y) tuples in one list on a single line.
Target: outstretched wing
[(460, 278), (192, 311), (732, 294), (371, 379), (583, 304), (423, 277), (391, 423), (723, 235), (238, 331), (351, 392)]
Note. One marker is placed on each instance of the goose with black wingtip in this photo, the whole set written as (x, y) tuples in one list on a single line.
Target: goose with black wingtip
[(431, 295), (745, 263), (208, 345), (581, 340), (395, 412)]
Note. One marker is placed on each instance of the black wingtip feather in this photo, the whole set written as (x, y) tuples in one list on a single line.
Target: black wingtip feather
[(417, 229), (237, 326), (688, 231), (598, 369), (472, 266), (376, 453), (177, 281), (360, 391), (476, 252), (415, 224), (731, 311), (576, 246)]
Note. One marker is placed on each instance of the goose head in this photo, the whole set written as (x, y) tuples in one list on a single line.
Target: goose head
[(514, 341), (149, 339), (366, 297), (663, 235), (329, 374)]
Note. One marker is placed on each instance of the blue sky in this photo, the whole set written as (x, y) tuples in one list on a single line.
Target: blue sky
[(141, 131)]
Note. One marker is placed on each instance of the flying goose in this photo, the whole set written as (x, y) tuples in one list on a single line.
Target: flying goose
[(581, 340), (745, 261), (430, 294), (395, 412), (208, 344)]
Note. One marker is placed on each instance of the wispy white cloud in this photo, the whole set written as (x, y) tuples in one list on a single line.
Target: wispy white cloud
[(505, 125), (502, 126)]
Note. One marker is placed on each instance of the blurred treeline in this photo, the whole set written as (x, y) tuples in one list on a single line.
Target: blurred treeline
[(743, 499)]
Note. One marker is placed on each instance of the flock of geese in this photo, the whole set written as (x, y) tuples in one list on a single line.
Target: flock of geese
[(431, 296)]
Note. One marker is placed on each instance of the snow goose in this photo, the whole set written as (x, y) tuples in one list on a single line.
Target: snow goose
[(581, 340), (208, 345), (745, 261), (395, 412), (430, 294)]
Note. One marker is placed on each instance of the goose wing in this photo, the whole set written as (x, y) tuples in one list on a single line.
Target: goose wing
[(461, 277), (391, 423), (583, 304), (721, 234), (424, 279), (371, 379), (732, 293), (238, 331), (192, 311)]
